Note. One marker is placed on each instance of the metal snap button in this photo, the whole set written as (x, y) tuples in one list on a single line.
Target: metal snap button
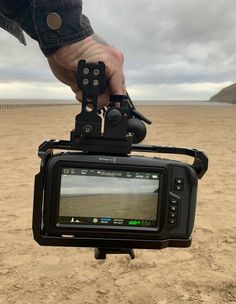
[(54, 21)]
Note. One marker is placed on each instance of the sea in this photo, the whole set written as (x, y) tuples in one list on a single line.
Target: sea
[(12, 103)]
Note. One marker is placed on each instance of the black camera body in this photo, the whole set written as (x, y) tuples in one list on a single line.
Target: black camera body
[(96, 194)]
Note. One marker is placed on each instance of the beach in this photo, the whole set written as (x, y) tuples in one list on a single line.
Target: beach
[(203, 273)]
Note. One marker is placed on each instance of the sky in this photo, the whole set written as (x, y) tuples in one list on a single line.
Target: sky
[(174, 49)]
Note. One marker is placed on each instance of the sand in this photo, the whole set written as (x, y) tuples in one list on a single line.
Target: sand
[(204, 273)]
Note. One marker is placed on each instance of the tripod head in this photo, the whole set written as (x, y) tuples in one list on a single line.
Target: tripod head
[(123, 124)]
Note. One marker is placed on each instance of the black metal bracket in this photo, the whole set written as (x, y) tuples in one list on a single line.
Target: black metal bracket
[(87, 135), (101, 253), (123, 124), (200, 163)]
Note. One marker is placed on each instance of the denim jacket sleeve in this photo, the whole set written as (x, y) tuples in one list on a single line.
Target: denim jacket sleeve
[(52, 23), (12, 27)]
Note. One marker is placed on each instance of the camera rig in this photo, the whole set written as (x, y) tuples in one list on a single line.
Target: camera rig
[(120, 134)]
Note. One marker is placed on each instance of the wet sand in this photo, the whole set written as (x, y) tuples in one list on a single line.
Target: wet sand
[(204, 273), (125, 206)]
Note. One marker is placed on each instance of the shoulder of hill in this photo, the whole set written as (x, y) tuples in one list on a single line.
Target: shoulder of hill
[(227, 95)]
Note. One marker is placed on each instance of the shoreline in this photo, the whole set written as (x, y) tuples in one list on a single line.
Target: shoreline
[(4, 106)]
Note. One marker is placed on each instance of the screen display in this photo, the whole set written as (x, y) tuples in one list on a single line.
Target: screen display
[(106, 197)]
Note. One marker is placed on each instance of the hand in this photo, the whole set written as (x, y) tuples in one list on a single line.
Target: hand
[(64, 65)]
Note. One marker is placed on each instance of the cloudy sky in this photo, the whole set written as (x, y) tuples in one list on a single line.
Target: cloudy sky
[(174, 49)]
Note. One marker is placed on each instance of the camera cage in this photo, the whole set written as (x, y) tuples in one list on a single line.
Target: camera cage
[(116, 139)]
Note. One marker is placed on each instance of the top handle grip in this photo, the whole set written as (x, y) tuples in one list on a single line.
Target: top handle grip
[(91, 79)]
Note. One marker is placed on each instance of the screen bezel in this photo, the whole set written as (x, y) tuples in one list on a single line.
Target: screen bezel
[(52, 201)]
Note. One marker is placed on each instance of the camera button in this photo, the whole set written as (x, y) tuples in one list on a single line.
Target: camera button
[(178, 187), (174, 201), (179, 181), (172, 215), (173, 208), (172, 221)]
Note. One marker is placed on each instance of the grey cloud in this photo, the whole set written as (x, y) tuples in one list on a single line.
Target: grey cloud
[(172, 41), (24, 74), (22, 64), (164, 42)]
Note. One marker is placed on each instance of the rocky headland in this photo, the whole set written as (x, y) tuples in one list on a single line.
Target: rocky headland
[(227, 95)]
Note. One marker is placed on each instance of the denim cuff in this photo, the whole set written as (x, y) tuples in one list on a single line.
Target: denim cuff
[(74, 25), (85, 31), (12, 27)]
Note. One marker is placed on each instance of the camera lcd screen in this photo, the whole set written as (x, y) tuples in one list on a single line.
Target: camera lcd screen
[(108, 197)]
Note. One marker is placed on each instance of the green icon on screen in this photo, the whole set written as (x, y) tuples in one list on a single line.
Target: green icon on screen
[(134, 223)]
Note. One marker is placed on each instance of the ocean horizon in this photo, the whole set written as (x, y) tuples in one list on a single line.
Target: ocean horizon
[(157, 102)]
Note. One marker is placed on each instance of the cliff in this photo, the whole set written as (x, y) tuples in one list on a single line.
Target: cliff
[(228, 95)]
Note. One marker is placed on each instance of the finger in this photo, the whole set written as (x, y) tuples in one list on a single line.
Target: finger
[(117, 84), (75, 88), (103, 100), (78, 96)]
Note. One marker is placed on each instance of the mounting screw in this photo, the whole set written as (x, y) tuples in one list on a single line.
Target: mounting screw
[(96, 72), (96, 82), (85, 81), (86, 71), (87, 129)]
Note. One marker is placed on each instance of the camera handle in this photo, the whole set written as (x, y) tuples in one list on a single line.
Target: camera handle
[(123, 124)]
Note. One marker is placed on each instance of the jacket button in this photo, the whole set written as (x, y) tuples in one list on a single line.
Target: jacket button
[(54, 21)]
